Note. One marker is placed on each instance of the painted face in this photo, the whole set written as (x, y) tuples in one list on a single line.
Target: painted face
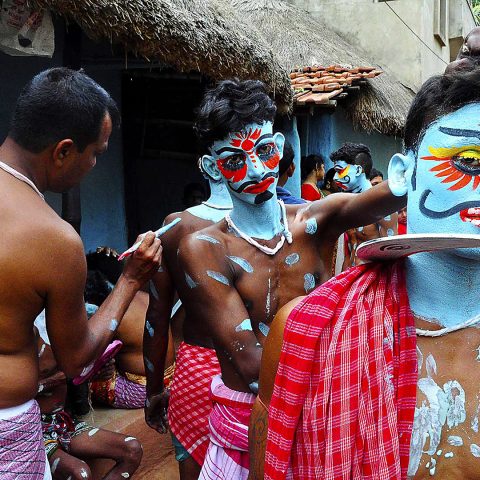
[(347, 176), (248, 162), (445, 192)]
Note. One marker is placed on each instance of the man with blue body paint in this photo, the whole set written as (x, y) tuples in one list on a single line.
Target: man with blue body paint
[(353, 165), (437, 421), (240, 271)]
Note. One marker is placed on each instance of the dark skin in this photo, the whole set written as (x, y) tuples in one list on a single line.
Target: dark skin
[(469, 51), (43, 266), (169, 280), (455, 355), (102, 444), (218, 309)]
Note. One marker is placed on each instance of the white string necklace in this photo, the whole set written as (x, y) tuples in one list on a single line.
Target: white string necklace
[(443, 331), (21, 177), (286, 234), (215, 206)]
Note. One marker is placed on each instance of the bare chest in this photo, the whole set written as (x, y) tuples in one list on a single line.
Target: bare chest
[(445, 440)]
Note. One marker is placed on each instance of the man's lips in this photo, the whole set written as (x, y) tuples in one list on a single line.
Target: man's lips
[(471, 215), (260, 186)]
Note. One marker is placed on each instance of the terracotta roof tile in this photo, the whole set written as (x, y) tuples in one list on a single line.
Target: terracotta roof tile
[(317, 84)]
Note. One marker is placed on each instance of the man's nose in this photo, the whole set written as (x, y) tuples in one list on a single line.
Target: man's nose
[(256, 169)]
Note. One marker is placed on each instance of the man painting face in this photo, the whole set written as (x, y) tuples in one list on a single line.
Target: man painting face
[(347, 176), (247, 161), (444, 187)]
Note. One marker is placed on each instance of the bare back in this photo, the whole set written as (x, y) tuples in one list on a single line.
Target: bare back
[(29, 226)]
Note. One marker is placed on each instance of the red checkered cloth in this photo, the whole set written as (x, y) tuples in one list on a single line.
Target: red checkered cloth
[(190, 403), (345, 390)]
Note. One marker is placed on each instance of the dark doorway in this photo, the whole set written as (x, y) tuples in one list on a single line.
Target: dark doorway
[(159, 144)]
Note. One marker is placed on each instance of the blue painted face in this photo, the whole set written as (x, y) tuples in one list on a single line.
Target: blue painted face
[(247, 162), (444, 192), (347, 177)]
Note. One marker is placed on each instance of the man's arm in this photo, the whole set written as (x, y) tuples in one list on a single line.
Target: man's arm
[(212, 295), (258, 428), (155, 347), (75, 341), (343, 211), (388, 226)]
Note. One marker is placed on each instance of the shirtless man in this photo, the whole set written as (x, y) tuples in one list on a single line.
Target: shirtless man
[(188, 425), (353, 164), (61, 123), (429, 291), (240, 271)]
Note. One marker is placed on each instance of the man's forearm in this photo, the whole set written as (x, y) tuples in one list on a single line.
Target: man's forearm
[(257, 440)]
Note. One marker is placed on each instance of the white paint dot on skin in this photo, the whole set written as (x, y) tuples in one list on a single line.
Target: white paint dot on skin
[(311, 226), (92, 432), (390, 232), (439, 452), (40, 388), (427, 465), (309, 282), (264, 329), (455, 441), (54, 465), (113, 325), (42, 349), (292, 259), (149, 364), (254, 387), (149, 328), (246, 325), (190, 281), (125, 475), (218, 277), (153, 290), (475, 450), (129, 439), (83, 473), (360, 229), (448, 455)]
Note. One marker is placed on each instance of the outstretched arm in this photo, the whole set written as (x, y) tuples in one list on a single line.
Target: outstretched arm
[(75, 342), (217, 305), (258, 429), (342, 211)]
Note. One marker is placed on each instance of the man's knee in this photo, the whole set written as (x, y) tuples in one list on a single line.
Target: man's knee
[(81, 472), (133, 451)]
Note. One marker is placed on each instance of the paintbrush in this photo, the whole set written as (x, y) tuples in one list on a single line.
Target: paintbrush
[(158, 234)]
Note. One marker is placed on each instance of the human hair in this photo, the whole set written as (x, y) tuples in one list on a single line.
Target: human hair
[(230, 107), (287, 159), (97, 288), (438, 96), (310, 163), (375, 173), (354, 154), (60, 103), (106, 263), (328, 177)]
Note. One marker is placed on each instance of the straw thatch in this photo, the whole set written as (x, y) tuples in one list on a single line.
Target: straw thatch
[(199, 35), (299, 40)]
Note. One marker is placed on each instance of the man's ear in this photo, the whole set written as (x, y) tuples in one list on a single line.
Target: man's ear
[(358, 170), (400, 170), (61, 152), (279, 140), (291, 170), (209, 164)]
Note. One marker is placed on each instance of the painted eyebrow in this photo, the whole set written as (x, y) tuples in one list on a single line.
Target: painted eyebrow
[(456, 132), (228, 149), (263, 137)]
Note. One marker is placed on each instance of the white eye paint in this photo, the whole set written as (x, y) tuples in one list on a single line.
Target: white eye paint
[(92, 432), (83, 473), (149, 364), (129, 439), (125, 475), (448, 455), (154, 291), (54, 465), (218, 277), (311, 226), (42, 349), (149, 328), (113, 325), (190, 282), (245, 326), (475, 450), (264, 329), (455, 441)]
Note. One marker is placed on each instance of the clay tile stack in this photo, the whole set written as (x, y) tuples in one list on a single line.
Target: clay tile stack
[(319, 85)]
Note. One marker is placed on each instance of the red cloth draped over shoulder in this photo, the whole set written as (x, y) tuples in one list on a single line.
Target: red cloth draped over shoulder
[(309, 192), (345, 391)]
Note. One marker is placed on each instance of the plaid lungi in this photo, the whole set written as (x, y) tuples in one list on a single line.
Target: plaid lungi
[(190, 403)]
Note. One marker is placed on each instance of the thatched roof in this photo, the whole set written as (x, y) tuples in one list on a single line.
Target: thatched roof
[(190, 35), (299, 40)]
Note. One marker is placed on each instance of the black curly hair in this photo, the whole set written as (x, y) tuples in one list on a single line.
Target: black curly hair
[(229, 107)]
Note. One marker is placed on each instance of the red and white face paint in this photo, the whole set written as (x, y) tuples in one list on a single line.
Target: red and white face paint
[(248, 161)]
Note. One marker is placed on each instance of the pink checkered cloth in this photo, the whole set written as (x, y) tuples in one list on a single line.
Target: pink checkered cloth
[(190, 404), (227, 456), (344, 395), (22, 452)]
